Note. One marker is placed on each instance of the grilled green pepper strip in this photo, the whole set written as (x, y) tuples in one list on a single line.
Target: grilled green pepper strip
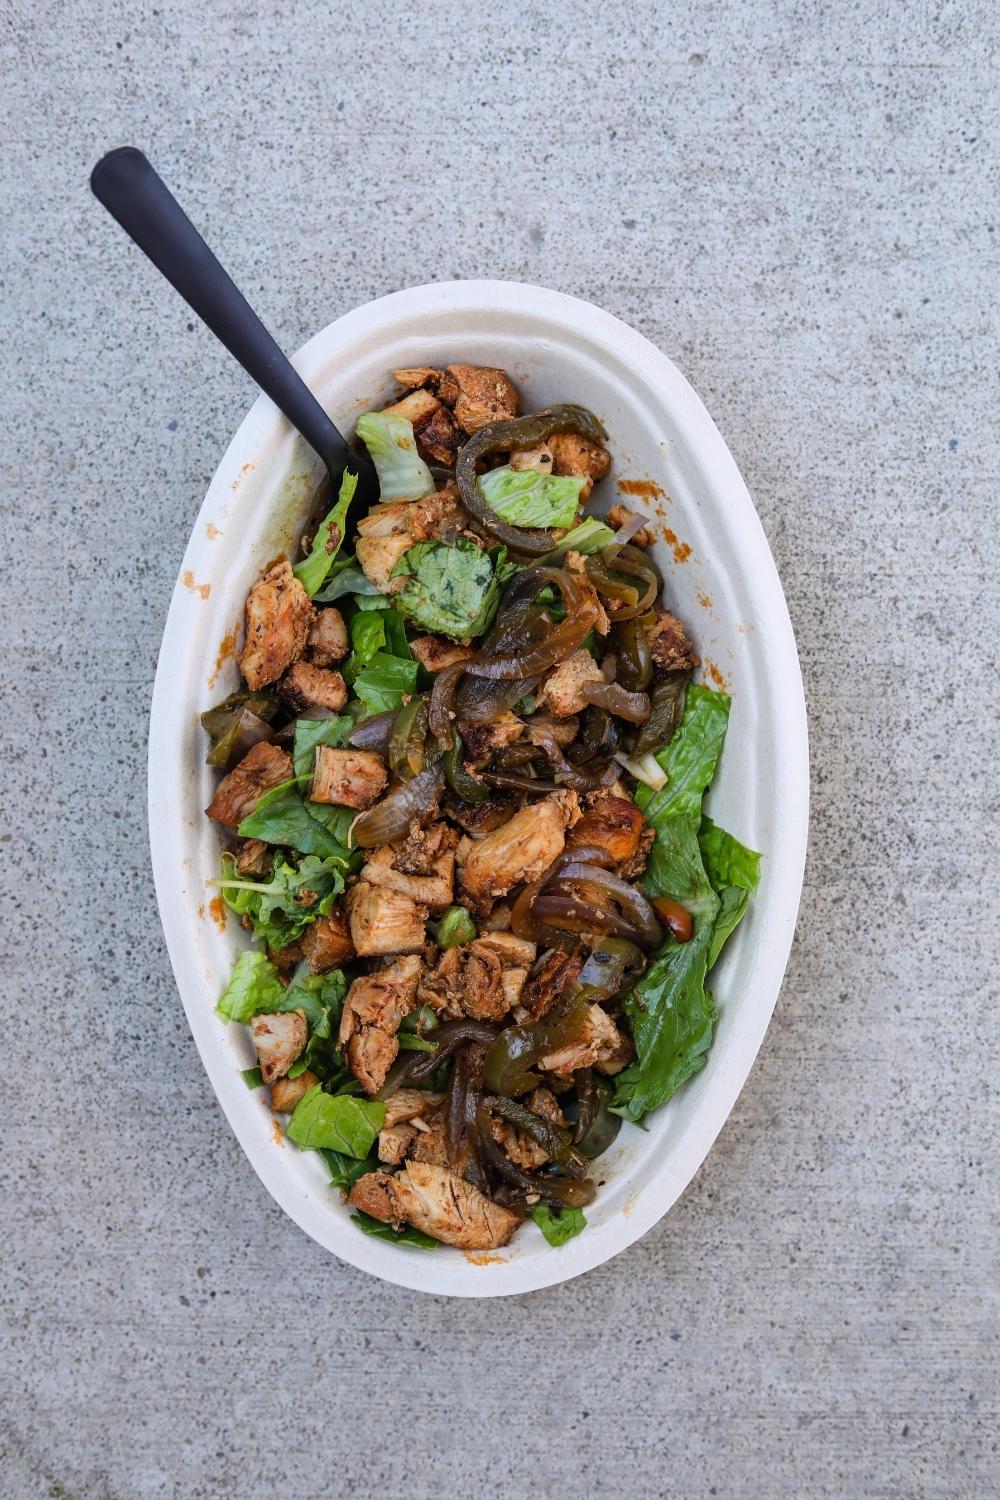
[(553, 1141), (666, 711), (612, 968), (568, 1191), (512, 437), (408, 739), (606, 574), (635, 660), (455, 927), (225, 721), (596, 1128), (508, 1068), (462, 783)]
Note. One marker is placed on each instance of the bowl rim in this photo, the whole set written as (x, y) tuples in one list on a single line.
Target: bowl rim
[(259, 431)]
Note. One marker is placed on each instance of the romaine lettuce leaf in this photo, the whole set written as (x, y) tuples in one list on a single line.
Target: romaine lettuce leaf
[(254, 987), (367, 629), (282, 816), (337, 1122), (450, 587), (558, 1225), (526, 497), (345, 1171), (405, 1235), (590, 536), (312, 570), (382, 683), (312, 732), (734, 871), (281, 908), (402, 473), (345, 577)]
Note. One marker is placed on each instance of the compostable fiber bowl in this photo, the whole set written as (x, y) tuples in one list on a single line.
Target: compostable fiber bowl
[(719, 577)]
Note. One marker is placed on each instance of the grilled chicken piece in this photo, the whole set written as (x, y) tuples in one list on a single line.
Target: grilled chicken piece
[(519, 851), (349, 778), (431, 1144), (437, 1201), (305, 686), (236, 796), (540, 459), (555, 973), (278, 1038), (481, 741), (278, 617), (391, 528), (384, 921), (482, 979), (327, 942), (433, 890), (439, 439), (516, 958), (561, 688), (420, 852), (602, 1046), (410, 1104), (480, 818), (618, 515), (288, 957), (253, 857), (394, 1142), (668, 641), (484, 395), (614, 824), (416, 407), (286, 1092), (577, 455), (435, 652), (522, 1149), (327, 642), (373, 1009), (417, 375)]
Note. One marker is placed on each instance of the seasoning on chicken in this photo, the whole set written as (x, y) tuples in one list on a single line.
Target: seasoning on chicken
[(384, 921), (549, 982), (253, 858), (520, 850), (484, 395), (437, 1201), (327, 642), (669, 644), (410, 1104), (236, 796), (327, 944), (482, 741), (576, 455), (348, 778), (602, 1046), (432, 890), (286, 1092), (279, 1039), (305, 687), (516, 956), (393, 527), (616, 825), (561, 690), (373, 1009), (394, 1142), (435, 652), (278, 617)]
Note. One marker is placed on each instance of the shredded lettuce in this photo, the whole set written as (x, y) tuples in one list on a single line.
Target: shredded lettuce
[(558, 1225), (336, 1122), (312, 570), (450, 587), (526, 497), (590, 536), (280, 908), (402, 473)]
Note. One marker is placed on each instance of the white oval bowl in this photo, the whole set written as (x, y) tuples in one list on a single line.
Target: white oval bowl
[(557, 348)]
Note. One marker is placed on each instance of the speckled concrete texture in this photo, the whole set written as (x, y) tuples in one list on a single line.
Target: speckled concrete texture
[(797, 202)]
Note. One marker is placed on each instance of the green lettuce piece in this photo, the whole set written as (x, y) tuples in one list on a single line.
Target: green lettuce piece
[(590, 536), (254, 987), (312, 732), (336, 1122), (367, 636), (320, 997), (395, 635), (282, 816), (734, 871), (383, 682), (312, 570), (405, 1235), (345, 1171), (526, 497), (345, 577), (558, 1225), (281, 908), (253, 1078), (671, 1012), (455, 927), (451, 587), (402, 473)]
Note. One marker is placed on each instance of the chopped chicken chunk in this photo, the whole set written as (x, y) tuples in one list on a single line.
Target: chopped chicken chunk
[(392, 528), (602, 1046), (327, 942), (410, 1104), (373, 1009), (439, 439), (236, 796), (431, 1144), (348, 778), (288, 957), (484, 395), (437, 1201), (577, 455), (327, 642), (279, 1039), (433, 890), (420, 852), (435, 652), (278, 617), (286, 1092), (416, 407), (305, 686), (561, 688), (618, 515), (394, 1142), (417, 375), (554, 975), (614, 824), (539, 458), (520, 850), (253, 857), (522, 1149), (668, 641), (481, 741), (384, 921)]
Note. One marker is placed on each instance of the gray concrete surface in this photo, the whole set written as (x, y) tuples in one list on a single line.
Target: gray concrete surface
[(797, 201)]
